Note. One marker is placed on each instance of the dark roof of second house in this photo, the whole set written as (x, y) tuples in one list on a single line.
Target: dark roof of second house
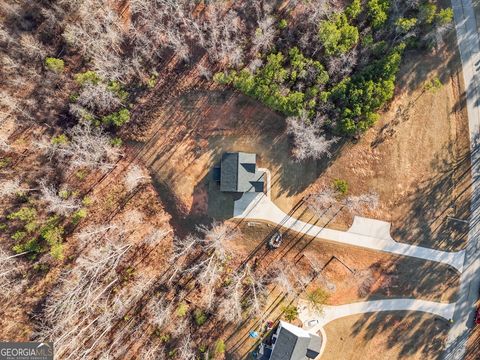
[(238, 173), (294, 343)]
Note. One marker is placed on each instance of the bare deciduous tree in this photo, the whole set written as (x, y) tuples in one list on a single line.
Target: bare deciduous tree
[(310, 142), (32, 47), (151, 351), (11, 279), (56, 203), (4, 144), (98, 98), (10, 187), (88, 147), (328, 199), (364, 201), (159, 312), (256, 292), (186, 350), (264, 35), (156, 236), (134, 177), (230, 307), (322, 201)]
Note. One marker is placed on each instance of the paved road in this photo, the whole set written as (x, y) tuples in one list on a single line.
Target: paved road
[(367, 233), (468, 44)]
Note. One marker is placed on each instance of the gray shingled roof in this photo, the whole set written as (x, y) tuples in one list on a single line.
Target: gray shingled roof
[(314, 347), (229, 172), (239, 173), (294, 343)]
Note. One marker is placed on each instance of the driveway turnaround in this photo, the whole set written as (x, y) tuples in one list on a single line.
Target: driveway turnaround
[(468, 45), (366, 233), (314, 321)]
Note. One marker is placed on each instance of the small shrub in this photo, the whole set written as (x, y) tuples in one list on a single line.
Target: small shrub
[(317, 298), (282, 24), (81, 174), (54, 64), (164, 337), (227, 282), (444, 17), (427, 13), (118, 90), (61, 139), (222, 78), (367, 40), (32, 246), (19, 235), (26, 214), (116, 141), (404, 25), (172, 353), (152, 80), (129, 273), (200, 317), (64, 194), (117, 118), (354, 9), (290, 312), (433, 85), (56, 251), (4, 162), (41, 267), (220, 347), (182, 309), (337, 36), (52, 233), (340, 186), (87, 77), (378, 12), (87, 201), (79, 215), (73, 97), (31, 226)]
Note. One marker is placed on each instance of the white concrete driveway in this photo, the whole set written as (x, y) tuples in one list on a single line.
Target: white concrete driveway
[(330, 313), (367, 233), (314, 321)]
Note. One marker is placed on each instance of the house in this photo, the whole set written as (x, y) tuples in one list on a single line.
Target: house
[(289, 342), (239, 173)]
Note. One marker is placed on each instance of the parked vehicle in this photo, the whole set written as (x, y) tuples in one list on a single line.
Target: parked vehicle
[(477, 316), (312, 323), (275, 241)]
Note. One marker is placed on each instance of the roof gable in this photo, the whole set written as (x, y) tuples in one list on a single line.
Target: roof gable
[(239, 173), (229, 172)]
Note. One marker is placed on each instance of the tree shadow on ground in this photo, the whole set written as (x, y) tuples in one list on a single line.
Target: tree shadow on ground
[(420, 64), (415, 333), (427, 333), (436, 210)]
